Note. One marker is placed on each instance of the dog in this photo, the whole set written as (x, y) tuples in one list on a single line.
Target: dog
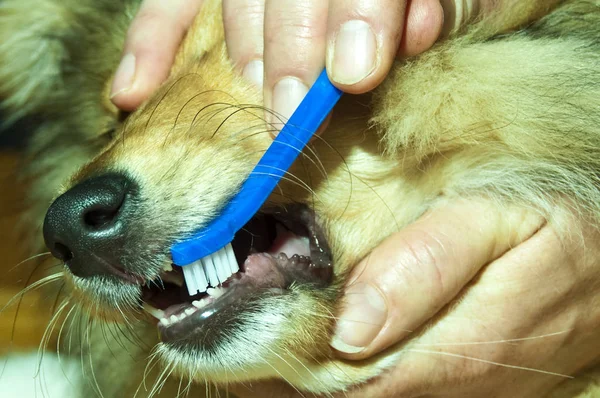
[(505, 110)]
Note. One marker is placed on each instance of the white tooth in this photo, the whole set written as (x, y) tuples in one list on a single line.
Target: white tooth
[(155, 312), (215, 292), (165, 321), (167, 267), (182, 316), (200, 303), (189, 311), (173, 318)]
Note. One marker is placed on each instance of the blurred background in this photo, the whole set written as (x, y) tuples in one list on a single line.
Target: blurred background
[(24, 320)]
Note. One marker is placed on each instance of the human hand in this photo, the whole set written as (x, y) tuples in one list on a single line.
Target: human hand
[(523, 308), (356, 40)]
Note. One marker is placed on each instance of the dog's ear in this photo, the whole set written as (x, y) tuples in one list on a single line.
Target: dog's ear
[(205, 37)]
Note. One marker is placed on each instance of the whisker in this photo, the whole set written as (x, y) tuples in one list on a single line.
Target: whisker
[(47, 333), (226, 119), (29, 259), (493, 341), (298, 182), (175, 83), (195, 116), (46, 280), (504, 365), (283, 377), (91, 362)]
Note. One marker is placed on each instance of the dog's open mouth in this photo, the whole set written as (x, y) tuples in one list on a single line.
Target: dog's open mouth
[(274, 250)]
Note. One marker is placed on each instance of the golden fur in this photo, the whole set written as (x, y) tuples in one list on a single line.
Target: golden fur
[(504, 111)]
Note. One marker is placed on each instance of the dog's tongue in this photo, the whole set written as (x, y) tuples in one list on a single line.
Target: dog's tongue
[(262, 270), (277, 268)]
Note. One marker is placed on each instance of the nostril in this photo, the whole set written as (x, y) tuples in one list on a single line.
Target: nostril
[(98, 219), (62, 252)]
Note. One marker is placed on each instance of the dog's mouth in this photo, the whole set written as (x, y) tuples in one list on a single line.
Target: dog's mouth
[(276, 249)]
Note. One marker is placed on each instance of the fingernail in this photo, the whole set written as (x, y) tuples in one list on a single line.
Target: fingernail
[(254, 72), (124, 75), (287, 95), (363, 317), (354, 53)]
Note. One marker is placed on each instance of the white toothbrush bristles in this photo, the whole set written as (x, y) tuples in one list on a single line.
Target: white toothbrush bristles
[(195, 279), (231, 260), (223, 271), (211, 270)]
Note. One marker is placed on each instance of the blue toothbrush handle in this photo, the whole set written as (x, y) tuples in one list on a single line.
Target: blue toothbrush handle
[(275, 162)]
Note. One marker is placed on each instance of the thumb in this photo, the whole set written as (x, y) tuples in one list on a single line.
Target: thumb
[(417, 271)]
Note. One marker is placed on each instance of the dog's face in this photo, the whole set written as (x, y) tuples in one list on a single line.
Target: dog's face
[(175, 162), (168, 170)]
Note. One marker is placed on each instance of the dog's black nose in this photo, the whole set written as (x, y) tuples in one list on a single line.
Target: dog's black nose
[(85, 226)]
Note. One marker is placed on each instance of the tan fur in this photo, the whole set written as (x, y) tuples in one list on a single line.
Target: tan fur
[(508, 117)]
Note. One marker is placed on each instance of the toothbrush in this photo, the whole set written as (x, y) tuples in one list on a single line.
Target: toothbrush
[(207, 257)]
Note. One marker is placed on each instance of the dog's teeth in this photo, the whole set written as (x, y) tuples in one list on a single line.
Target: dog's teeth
[(189, 311), (215, 292), (172, 277), (174, 318), (200, 303), (167, 267), (155, 312), (165, 321)]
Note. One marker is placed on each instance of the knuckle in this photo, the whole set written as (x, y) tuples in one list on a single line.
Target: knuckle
[(237, 13), (421, 263), (292, 28), (301, 20)]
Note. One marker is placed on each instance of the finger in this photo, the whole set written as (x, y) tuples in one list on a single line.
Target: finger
[(363, 40), (244, 24), (152, 41), (417, 271), (294, 52), (424, 22)]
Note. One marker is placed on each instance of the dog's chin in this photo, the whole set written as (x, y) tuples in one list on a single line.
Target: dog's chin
[(105, 298)]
